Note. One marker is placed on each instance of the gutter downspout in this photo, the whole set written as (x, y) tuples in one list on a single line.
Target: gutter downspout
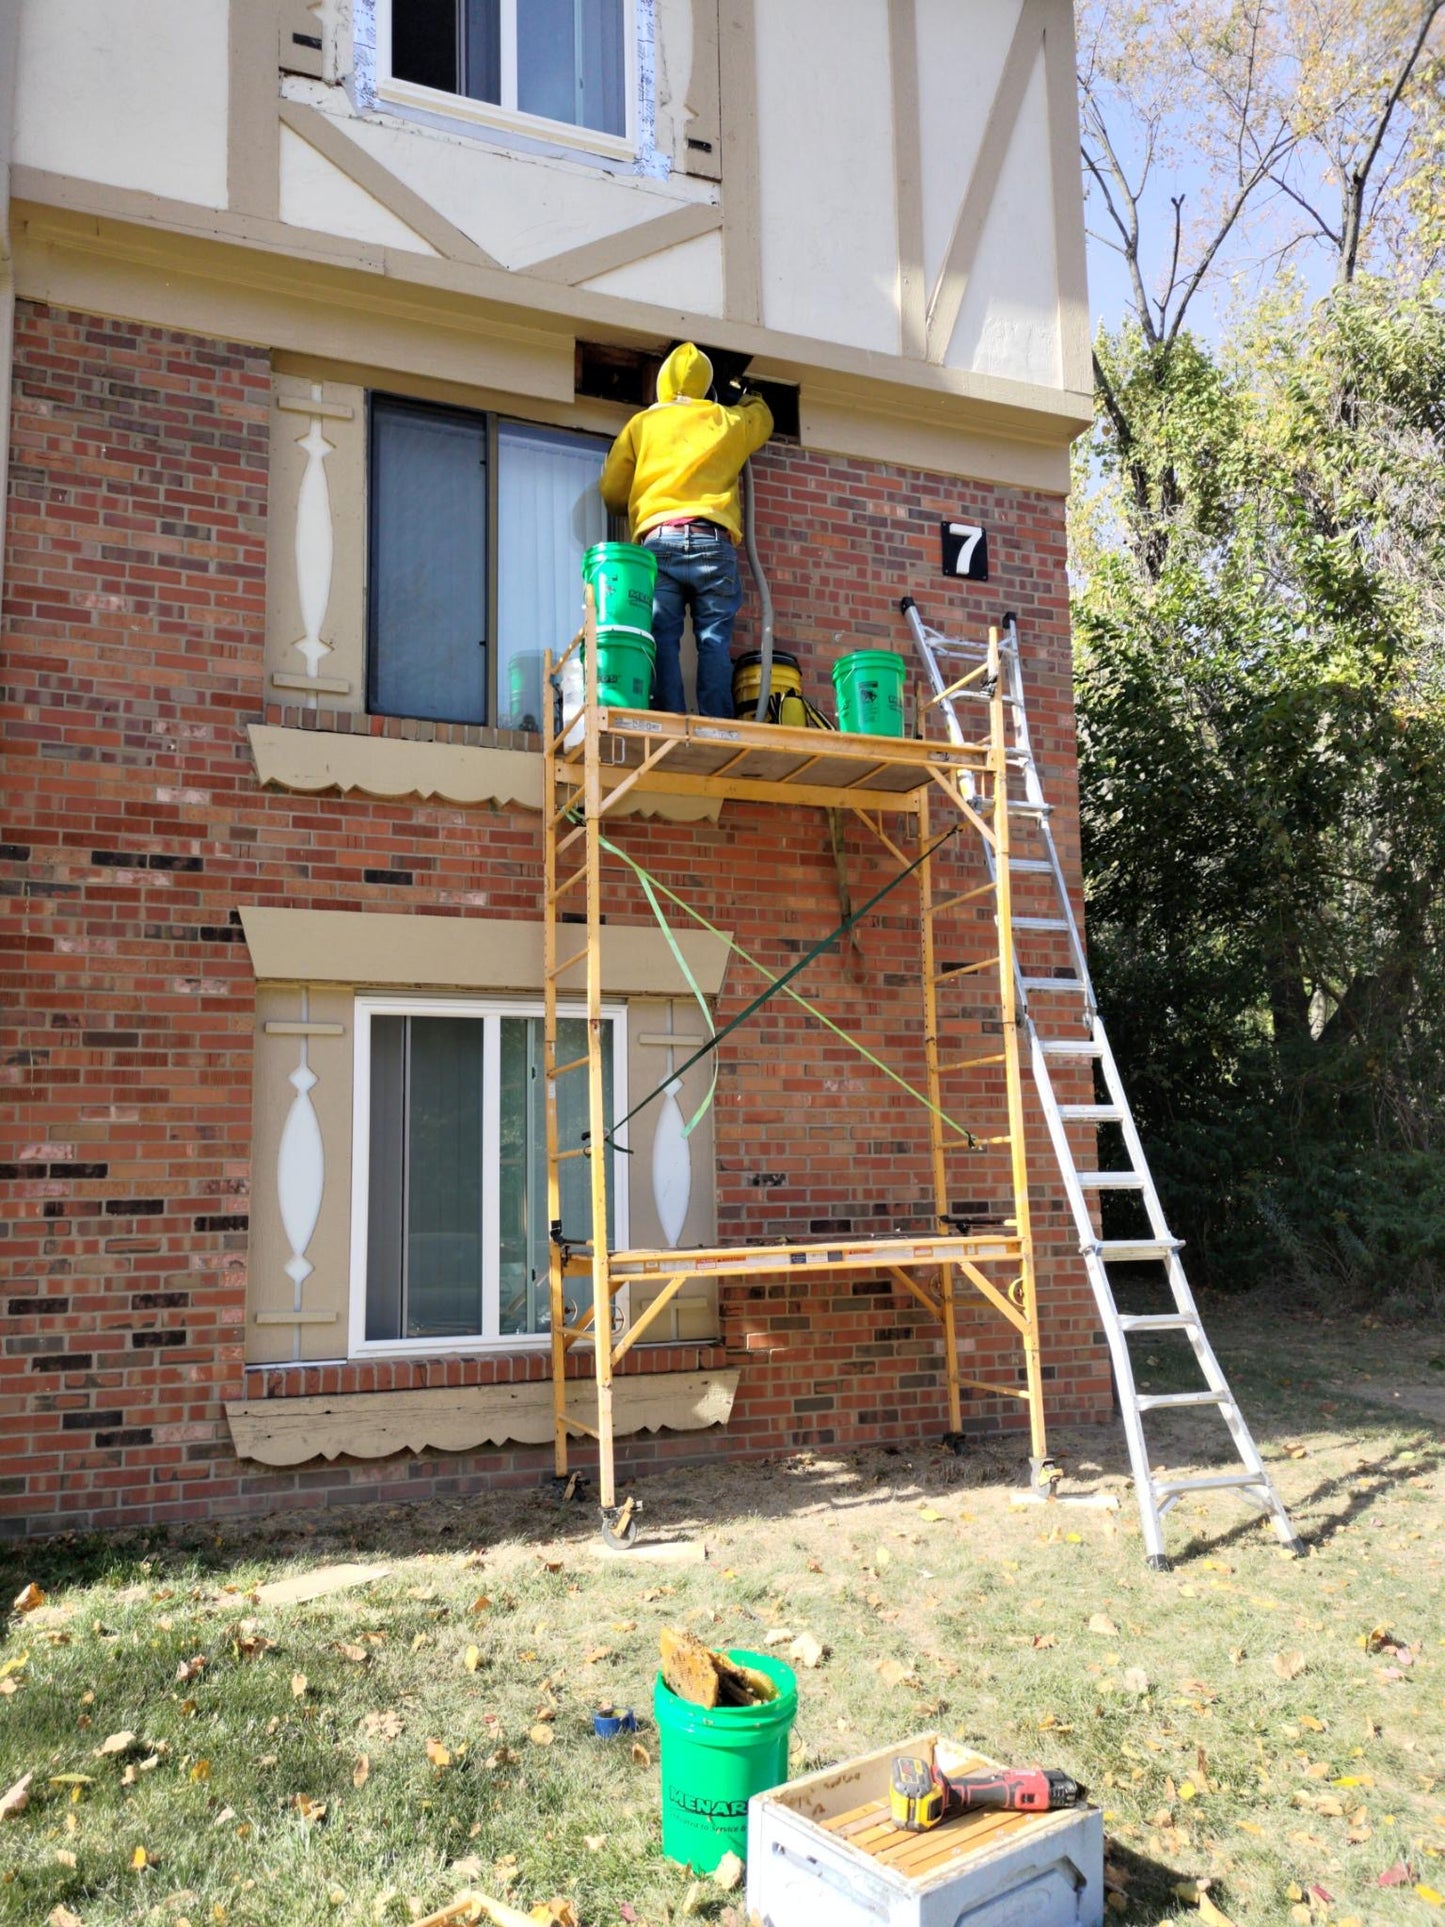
[(9, 51)]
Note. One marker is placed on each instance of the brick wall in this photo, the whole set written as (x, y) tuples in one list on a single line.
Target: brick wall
[(133, 624)]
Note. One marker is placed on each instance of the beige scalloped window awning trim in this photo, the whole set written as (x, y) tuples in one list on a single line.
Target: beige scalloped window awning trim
[(311, 760), (378, 949), (378, 1425)]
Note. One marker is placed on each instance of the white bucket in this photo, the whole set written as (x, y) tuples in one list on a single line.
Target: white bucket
[(572, 677)]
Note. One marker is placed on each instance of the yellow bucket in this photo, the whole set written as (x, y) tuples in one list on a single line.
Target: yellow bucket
[(786, 703)]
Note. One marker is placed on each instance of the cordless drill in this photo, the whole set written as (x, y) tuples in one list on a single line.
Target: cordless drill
[(920, 1796)]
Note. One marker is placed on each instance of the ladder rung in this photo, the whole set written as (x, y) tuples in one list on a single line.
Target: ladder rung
[(1151, 1401), (1158, 1321), (1070, 1047), (1216, 1482), (1121, 1251), (1061, 984), (1091, 1113), (577, 1063), (1039, 923), (1038, 865), (1111, 1180)]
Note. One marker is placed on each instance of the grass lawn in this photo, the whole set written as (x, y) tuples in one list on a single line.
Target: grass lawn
[(1275, 1725)]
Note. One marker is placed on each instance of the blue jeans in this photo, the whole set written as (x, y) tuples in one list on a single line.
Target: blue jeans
[(697, 570)]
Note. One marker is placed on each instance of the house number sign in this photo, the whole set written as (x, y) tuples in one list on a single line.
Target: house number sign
[(965, 551)]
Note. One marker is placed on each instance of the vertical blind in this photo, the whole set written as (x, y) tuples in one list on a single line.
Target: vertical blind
[(548, 513)]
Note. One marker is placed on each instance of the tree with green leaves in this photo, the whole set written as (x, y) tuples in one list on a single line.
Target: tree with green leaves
[(1259, 542)]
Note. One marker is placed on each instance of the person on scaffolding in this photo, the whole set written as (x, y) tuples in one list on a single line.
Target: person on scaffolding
[(674, 471)]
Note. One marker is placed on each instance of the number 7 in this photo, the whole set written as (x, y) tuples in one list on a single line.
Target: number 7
[(972, 535)]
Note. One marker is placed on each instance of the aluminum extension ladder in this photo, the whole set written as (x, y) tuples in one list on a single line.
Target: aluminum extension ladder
[(1062, 1026)]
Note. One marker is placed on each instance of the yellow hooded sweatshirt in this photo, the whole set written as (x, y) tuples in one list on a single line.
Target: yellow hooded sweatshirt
[(682, 456)]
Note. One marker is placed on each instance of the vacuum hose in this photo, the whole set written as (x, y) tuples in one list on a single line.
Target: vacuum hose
[(765, 596)]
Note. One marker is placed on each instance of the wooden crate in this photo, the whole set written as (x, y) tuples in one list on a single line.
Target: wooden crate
[(824, 1849)]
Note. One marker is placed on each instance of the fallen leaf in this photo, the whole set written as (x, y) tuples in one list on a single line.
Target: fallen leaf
[(1136, 1679), (382, 1726), (1101, 1623), (1289, 1665), (541, 1735), (1431, 1896), (931, 1516), (1043, 1641), (312, 1812), (298, 1686), (893, 1672), (62, 1917), (27, 1599), (596, 1654), (65, 1856), (17, 1798), (472, 1658), (362, 1769), (728, 1872), (139, 1859), (806, 1650), (1397, 1876), (116, 1743), (358, 1655), (480, 1604), (439, 1755), (640, 1754), (594, 1842), (1212, 1914), (200, 1770)]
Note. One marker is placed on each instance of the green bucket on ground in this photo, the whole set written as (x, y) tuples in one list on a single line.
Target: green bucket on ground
[(715, 1758), (869, 688), (622, 577)]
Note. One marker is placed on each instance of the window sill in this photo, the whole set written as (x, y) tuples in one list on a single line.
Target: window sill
[(288, 1430), (480, 113), (327, 756)]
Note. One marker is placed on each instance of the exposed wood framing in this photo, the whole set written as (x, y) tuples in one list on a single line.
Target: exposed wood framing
[(630, 244), (742, 210), (320, 131), (908, 178), (946, 299)]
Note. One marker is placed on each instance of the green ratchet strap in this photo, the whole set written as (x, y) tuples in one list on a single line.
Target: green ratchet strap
[(651, 885)]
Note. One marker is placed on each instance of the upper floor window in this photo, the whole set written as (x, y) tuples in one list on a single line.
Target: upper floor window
[(567, 62), (478, 528)]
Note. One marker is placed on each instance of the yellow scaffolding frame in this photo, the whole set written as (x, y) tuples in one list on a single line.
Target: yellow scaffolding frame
[(594, 757)]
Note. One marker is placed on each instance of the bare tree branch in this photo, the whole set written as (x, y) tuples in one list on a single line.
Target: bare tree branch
[(1355, 181)]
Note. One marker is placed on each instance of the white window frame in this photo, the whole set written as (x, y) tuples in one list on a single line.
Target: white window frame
[(490, 1010), (509, 119)]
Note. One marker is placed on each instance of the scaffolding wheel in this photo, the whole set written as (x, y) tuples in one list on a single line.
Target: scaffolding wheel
[(564, 1487), (954, 1442), (1044, 1476), (621, 1525)]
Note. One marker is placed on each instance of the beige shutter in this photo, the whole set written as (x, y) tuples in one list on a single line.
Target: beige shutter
[(301, 1035), (700, 141), (315, 556), (302, 39), (693, 1313)]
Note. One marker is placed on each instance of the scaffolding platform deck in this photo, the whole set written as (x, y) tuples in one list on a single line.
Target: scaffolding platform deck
[(743, 760), (826, 1254)]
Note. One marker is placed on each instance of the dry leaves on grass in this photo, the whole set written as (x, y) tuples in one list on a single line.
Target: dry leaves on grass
[(298, 1686), (807, 1651), (358, 1655), (361, 1772), (541, 1735), (62, 1917), (1102, 1624), (27, 1599), (472, 1658), (116, 1743), (893, 1672), (439, 1755), (1289, 1665)]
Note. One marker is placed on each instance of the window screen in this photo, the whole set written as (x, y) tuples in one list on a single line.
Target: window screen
[(548, 514), (565, 59), (428, 588), (457, 1223)]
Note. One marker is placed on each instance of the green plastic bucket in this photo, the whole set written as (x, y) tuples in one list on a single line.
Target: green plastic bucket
[(622, 577), (869, 688), (625, 659), (715, 1758)]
